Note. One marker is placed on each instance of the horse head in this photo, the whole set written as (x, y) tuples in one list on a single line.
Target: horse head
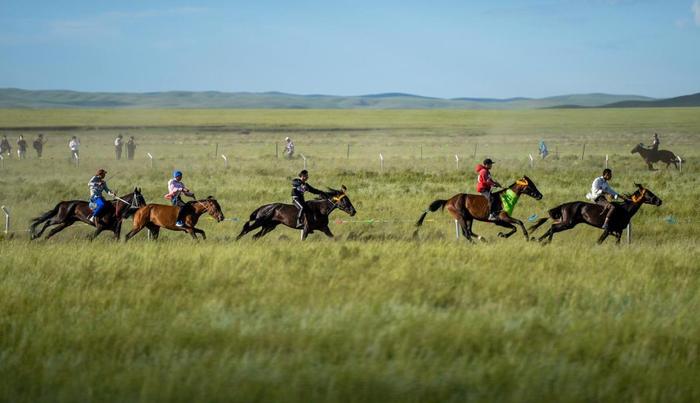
[(213, 208), (645, 196), (340, 199), (639, 147), (527, 186)]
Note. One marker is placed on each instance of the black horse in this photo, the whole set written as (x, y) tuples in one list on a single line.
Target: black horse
[(66, 213), (566, 216), (270, 216), (651, 156)]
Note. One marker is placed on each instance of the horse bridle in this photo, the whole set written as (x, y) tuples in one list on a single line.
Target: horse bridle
[(335, 200), (636, 199)]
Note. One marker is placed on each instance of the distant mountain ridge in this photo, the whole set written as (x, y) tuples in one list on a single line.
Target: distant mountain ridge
[(19, 98)]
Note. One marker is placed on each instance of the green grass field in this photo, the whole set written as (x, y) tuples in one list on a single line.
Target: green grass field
[(375, 314)]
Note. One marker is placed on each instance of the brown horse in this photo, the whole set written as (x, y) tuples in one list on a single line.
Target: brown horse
[(566, 216), (155, 216), (66, 213), (652, 156), (465, 208), (270, 216)]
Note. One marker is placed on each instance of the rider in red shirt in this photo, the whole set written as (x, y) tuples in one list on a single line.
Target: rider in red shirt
[(484, 184)]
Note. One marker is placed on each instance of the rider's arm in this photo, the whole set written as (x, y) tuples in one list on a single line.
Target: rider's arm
[(313, 190)]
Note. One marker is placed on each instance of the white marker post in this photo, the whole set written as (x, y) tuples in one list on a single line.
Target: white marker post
[(225, 161), (457, 230), (532, 161), (381, 162), (7, 219), (680, 163), (629, 233), (151, 158), (457, 161), (304, 158), (606, 161), (2, 160)]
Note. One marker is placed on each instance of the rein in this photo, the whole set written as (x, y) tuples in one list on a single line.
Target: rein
[(637, 199), (334, 201)]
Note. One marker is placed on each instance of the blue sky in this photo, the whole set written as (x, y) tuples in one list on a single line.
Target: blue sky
[(434, 48)]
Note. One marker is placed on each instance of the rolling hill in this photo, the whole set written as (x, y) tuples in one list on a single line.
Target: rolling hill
[(19, 98)]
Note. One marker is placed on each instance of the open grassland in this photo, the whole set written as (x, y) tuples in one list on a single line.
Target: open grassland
[(375, 315)]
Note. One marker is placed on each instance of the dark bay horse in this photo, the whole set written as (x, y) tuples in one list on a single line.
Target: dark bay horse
[(566, 216), (652, 156), (157, 216), (66, 213), (465, 208), (270, 216)]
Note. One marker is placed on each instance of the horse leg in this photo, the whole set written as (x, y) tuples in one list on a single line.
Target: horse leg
[(135, 230), (466, 227), (199, 231), (265, 229), (247, 227), (327, 231), (60, 228), (118, 230), (46, 225), (154, 230), (97, 232), (602, 237), (556, 227)]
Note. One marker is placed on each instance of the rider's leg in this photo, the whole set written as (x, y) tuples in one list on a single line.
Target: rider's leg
[(100, 204), (489, 201), (184, 211), (300, 206), (608, 209)]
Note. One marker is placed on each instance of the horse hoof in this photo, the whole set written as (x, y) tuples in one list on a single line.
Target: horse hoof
[(501, 235)]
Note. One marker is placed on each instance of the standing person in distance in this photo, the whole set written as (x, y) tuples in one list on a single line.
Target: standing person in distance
[(288, 148), (38, 145), (130, 148), (5, 147), (74, 146), (118, 146), (21, 147)]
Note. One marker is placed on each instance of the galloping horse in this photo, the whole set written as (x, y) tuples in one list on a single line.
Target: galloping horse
[(270, 216), (68, 212), (566, 216), (465, 208), (155, 216), (651, 156)]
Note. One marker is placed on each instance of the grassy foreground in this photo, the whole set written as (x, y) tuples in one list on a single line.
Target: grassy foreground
[(376, 315), (359, 321)]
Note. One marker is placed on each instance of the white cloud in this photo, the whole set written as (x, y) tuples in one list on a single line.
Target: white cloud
[(696, 11)]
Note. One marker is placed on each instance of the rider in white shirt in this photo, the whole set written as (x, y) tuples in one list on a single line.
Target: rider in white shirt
[(600, 191)]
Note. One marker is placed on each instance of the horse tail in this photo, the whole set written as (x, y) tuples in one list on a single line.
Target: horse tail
[(434, 206), (42, 218)]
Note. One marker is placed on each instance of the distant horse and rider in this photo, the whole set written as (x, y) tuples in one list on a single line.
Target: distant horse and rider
[(653, 155)]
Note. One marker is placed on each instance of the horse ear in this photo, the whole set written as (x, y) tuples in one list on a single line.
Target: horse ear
[(210, 197), (344, 188), (640, 187), (136, 190)]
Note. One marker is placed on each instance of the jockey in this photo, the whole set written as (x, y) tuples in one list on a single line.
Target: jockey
[(299, 186), (98, 185), (485, 183), (655, 142), (175, 191), (600, 191)]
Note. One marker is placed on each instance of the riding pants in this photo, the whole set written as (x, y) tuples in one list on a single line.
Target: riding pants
[(301, 206), (489, 198), (185, 209), (608, 207), (99, 205)]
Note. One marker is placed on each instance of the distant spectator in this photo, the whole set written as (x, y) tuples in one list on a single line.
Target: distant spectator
[(21, 147), (74, 145), (130, 148), (5, 147), (38, 145), (118, 146), (544, 152), (288, 148)]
